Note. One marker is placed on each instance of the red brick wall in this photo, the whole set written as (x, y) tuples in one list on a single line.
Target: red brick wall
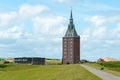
[(71, 50)]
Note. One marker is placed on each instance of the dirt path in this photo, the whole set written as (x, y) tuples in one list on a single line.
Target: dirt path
[(101, 74)]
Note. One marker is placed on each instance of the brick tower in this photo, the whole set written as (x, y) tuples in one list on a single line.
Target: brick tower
[(71, 45)]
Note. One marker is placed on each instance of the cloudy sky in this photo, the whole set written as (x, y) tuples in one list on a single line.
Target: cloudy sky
[(36, 27)]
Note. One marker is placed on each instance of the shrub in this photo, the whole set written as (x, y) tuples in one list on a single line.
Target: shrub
[(6, 62), (3, 66)]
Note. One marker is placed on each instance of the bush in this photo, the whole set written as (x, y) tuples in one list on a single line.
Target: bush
[(83, 61), (6, 62), (3, 66)]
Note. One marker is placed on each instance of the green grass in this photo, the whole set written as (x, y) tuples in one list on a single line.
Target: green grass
[(115, 66), (45, 72), (112, 67), (14, 67)]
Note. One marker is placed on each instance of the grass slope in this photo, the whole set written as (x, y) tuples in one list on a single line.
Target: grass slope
[(45, 72), (112, 67)]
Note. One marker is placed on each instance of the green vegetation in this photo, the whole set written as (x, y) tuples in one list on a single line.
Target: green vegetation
[(112, 67), (84, 61), (45, 72), (1, 59), (50, 61), (15, 67)]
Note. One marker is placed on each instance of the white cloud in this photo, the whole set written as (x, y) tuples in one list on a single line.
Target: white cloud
[(27, 10), (66, 1), (6, 18), (97, 7), (14, 32), (53, 25), (96, 20), (102, 36), (85, 35), (99, 33), (116, 30), (101, 27), (60, 1)]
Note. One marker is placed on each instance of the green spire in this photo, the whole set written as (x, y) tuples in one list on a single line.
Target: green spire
[(71, 32), (71, 17)]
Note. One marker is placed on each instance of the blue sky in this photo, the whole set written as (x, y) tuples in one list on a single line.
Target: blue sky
[(36, 27)]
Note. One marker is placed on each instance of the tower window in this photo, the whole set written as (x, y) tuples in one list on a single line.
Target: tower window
[(65, 45), (71, 56), (65, 52), (64, 56), (65, 42), (64, 49), (70, 52), (70, 45)]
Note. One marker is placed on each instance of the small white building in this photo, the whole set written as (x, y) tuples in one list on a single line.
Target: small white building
[(107, 59)]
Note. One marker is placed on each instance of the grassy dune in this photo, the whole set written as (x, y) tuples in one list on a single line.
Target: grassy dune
[(45, 72), (115, 66), (112, 67)]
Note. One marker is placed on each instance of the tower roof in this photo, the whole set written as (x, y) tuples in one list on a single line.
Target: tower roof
[(71, 32)]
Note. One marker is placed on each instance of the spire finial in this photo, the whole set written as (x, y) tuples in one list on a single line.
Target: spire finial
[(71, 17), (71, 14)]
